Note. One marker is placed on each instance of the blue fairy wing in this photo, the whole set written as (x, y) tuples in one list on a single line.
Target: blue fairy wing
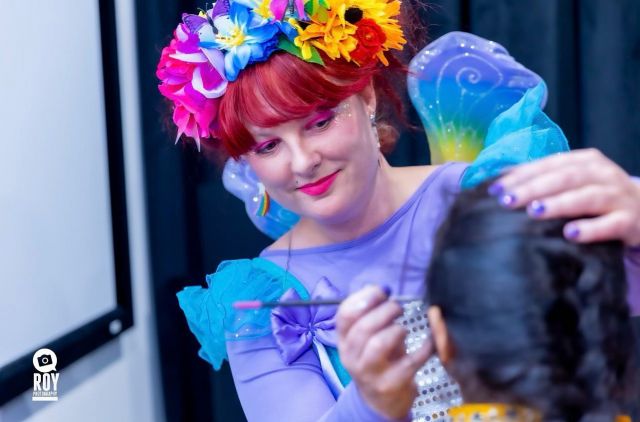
[(459, 84), (241, 181)]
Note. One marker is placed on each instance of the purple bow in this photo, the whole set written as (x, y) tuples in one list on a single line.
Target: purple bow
[(295, 328)]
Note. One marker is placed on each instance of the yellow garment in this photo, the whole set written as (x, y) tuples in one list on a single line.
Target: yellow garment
[(496, 412)]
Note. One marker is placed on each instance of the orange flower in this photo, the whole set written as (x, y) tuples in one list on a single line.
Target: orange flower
[(334, 35)]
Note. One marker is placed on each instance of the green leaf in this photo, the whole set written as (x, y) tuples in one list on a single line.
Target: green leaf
[(291, 48), (316, 6), (315, 57), (322, 15), (310, 7)]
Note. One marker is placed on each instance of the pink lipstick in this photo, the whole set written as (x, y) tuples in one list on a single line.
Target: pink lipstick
[(320, 186)]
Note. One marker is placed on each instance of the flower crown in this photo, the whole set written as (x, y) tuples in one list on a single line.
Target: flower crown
[(210, 49)]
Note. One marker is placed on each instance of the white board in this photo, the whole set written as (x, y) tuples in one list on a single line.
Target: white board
[(56, 249)]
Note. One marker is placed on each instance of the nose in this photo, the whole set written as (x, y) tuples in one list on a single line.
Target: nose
[(305, 159)]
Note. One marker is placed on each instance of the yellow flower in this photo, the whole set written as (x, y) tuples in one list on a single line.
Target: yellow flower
[(382, 12), (328, 32), (262, 9)]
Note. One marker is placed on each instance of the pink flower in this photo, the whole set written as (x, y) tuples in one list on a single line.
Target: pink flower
[(279, 8), (194, 81)]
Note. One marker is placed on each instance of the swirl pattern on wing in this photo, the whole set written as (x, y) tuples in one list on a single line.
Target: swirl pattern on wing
[(459, 84)]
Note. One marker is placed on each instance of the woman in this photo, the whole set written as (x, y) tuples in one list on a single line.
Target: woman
[(547, 335), (294, 89)]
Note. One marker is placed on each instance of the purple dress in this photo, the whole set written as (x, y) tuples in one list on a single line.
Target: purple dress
[(273, 386)]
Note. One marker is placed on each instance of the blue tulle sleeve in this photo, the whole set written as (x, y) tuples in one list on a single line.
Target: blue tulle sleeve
[(209, 311), (520, 134)]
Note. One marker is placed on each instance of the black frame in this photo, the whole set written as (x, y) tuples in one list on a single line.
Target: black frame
[(17, 376)]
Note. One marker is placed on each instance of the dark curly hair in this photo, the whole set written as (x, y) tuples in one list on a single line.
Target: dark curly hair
[(534, 319)]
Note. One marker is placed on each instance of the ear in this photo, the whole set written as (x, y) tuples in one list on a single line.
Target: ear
[(368, 94), (440, 335)]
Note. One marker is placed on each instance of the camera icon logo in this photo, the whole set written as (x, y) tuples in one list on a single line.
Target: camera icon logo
[(45, 360)]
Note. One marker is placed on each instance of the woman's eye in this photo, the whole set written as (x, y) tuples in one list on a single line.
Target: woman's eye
[(266, 148), (323, 123)]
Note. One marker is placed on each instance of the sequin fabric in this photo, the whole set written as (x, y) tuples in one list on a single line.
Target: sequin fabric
[(437, 392)]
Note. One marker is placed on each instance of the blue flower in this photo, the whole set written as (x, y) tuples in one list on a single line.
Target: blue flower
[(244, 36)]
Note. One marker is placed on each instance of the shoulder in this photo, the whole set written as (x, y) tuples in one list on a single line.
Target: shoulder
[(282, 242), (417, 174), (244, 280), (413, 178), (234, 280), (408, 180), (210, 310)]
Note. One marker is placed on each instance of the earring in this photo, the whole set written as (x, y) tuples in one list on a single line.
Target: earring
[(372, 119), (265, 201)]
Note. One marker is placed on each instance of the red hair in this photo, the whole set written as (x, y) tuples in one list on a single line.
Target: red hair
[(284, 88)]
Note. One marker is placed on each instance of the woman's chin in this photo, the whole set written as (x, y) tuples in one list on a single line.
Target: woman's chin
[(325, 209)]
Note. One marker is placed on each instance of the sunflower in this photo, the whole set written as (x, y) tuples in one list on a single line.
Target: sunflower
[(328, 31), (333, 24), (383, 13)]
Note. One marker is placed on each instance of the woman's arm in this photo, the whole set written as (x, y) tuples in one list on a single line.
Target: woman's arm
[(272, 391)]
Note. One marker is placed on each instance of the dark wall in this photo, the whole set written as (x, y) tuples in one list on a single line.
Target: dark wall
[(193, 225), (588, 52)]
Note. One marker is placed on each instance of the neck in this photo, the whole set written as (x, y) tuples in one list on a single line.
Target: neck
[(377, 205)]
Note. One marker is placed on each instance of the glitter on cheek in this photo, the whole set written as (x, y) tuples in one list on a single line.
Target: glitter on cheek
[(343, 112)]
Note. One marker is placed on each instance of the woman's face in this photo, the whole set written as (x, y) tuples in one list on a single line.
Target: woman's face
[(323, 166)]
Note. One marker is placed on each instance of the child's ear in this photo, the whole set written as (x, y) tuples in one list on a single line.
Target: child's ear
[(440, 335)]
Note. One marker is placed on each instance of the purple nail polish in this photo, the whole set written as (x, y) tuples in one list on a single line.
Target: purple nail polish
[(386, 290), (571, 231), (507, 200), (495, 189), (536, 209)]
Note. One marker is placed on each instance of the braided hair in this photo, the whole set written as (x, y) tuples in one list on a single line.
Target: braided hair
[(534, 319)]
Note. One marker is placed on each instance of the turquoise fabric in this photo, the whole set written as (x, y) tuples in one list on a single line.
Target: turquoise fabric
[(209, 311), (214, 321), (520, 134), (334, 357)]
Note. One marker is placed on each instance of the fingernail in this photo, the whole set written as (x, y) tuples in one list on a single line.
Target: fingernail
[(495, 189), (535, 209), (571, 231), (507, 200), (386, 290)]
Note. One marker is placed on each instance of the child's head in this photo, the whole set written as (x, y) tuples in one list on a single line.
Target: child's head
[(521, 315)]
